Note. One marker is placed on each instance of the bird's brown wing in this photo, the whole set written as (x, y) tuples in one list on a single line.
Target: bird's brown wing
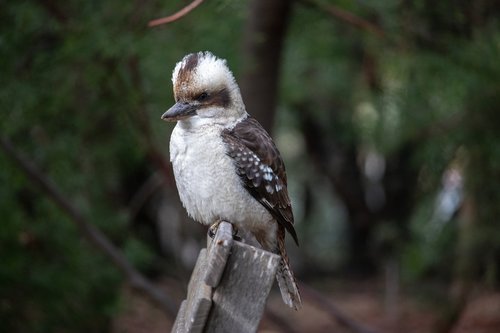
[(261, 169)]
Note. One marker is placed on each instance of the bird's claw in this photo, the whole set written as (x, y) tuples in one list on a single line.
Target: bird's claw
[(212, 231), (235, 234)]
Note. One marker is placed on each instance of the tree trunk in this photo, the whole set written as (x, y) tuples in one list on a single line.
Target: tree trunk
[(262, 48)]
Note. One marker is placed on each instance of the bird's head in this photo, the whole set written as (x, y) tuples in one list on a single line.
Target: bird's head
[(205, 92)]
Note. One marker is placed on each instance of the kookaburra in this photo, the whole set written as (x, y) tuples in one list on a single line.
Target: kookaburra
[(226, 166)]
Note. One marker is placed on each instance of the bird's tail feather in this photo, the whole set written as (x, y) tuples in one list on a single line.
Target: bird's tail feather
[(288, 286), (284, 275)]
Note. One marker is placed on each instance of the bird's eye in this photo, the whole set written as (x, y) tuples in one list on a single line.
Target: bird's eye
[(203, 96)]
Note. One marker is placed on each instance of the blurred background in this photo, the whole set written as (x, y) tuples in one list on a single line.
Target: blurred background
[(386, 114)]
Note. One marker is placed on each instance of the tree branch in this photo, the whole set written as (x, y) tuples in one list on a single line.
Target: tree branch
[(92, 234), (346, 17), (174, 17), (141, 196)]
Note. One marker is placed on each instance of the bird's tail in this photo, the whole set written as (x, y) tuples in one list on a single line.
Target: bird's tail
[(288, 286), (286, 279)]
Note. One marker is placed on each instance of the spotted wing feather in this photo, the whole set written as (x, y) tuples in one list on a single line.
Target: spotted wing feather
[(261, 169)]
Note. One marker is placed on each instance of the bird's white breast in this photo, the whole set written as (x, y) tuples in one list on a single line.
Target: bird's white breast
[(208, 184)]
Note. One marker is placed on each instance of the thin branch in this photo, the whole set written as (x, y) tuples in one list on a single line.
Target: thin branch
[(347, 17), (92, 234), (324, 304), (174, 17)]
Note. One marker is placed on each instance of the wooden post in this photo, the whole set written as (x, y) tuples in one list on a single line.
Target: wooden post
[(228, 288)]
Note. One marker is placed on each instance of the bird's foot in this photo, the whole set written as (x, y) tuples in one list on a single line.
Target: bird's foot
[(212, 230), (235, 234)]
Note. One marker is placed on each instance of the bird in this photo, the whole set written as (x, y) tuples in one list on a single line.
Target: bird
[(226, 166)]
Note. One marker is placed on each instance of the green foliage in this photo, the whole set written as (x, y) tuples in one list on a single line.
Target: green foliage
[(79, 79), (429, 87), (48, 276), (460, 87)]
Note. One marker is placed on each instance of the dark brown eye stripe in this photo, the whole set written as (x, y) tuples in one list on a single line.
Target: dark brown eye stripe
[(220, 98)]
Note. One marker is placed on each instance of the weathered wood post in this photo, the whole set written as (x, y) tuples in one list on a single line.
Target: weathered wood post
[(228, 288)]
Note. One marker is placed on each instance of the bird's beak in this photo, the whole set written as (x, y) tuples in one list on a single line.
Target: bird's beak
[(179, 111)]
